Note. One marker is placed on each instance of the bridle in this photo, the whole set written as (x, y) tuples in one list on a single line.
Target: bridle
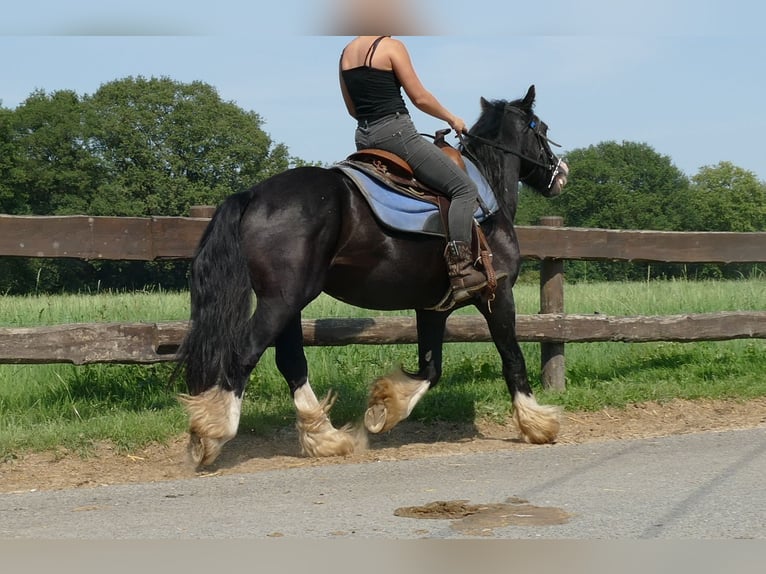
[(551, 164)]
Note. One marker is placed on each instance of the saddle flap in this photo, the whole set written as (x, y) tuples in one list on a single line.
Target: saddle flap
[(384, 162)]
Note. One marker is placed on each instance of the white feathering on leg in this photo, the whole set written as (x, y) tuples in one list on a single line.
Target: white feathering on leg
[(316, 434), (392, 399), (538, 424), (213, 421)]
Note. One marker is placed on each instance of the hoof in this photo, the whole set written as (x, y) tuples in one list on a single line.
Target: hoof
[(392, 399), (319, 438), (203, 451), (375, 418), (538, 424), (213, 421)]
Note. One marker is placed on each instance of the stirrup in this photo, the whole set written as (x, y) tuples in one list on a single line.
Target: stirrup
[(465, 293)]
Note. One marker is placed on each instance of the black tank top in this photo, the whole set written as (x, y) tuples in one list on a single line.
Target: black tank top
[(375, 93)]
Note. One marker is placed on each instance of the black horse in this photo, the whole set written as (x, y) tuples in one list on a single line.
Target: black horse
[(309, 230)]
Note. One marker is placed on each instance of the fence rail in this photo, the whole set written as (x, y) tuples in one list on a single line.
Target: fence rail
[(152, 238), (149, 239), (85, 343)]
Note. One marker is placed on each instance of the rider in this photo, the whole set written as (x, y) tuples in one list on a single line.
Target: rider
[(372, 72)]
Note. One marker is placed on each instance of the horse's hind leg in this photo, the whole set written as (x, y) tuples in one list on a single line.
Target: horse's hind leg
[(316, 434), (214, 414), (213, 421)]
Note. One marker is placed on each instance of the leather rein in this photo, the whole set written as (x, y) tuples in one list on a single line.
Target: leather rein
[(554, 164)]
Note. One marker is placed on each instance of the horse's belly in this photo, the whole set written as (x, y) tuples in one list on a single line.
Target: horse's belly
[(386, 289)]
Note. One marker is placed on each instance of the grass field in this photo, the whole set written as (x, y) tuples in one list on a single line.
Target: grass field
[(45, 406)]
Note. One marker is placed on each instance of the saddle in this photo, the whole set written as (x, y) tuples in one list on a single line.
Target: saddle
[(396, 173)]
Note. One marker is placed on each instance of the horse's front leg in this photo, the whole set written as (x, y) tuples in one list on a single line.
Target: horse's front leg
[(538, 424), (394, 396)]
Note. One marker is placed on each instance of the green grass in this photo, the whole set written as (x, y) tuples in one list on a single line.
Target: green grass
[(50, 406)]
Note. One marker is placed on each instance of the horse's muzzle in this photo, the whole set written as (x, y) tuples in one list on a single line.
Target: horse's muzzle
[(558, 179)]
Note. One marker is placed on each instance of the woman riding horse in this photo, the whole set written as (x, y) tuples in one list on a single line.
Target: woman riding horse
[(311, 229), (372, 73)]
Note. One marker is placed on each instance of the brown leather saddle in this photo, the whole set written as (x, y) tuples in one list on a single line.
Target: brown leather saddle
[(397, 174)]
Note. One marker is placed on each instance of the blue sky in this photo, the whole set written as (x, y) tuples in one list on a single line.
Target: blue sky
[(685, 77)]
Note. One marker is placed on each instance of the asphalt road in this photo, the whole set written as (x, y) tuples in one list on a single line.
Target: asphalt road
[(708, 485)]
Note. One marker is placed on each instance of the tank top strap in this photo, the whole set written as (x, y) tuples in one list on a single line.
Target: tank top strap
[(371, 52)]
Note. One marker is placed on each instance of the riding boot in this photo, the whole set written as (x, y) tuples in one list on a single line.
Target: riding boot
[(465, 280)]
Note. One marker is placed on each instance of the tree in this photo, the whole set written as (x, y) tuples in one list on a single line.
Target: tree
[(622, 186), (135, 147), (164, 146), (10, 202), (52, 170), (613, 185), (725, 197)]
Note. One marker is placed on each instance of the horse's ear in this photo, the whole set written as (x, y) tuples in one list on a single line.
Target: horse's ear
[(529, 99), (485, 105)]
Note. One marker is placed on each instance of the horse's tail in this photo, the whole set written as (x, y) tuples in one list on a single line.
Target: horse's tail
[(221, 302)]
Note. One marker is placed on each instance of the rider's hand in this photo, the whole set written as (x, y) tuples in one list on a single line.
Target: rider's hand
[(458, 125)]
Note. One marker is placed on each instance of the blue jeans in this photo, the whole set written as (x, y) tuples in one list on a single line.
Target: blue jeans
[(397, 134)]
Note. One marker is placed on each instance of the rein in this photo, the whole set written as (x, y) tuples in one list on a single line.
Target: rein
[(555, 168), (503, 148)]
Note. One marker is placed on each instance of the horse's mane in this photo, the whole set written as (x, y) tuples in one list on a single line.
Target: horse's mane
[(492, 112), (493, 162)]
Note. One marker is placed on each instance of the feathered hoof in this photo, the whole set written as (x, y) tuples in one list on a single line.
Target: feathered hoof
[(392, 398), (376, 419), (538, 424), (319, 438), (213, 421), (203, 451)]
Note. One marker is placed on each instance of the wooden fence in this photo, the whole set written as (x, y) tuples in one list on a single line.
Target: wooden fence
[(148, 239)]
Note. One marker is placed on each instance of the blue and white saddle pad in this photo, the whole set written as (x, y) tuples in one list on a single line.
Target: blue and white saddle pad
[(405, 213)]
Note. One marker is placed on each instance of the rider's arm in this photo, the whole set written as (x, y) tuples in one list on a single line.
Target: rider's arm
[(421, 98)]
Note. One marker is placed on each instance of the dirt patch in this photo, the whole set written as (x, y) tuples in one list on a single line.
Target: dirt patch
[(409, 440), (483, 519)]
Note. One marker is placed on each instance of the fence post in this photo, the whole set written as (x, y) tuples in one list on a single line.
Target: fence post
[(552, 301), (203, 211)]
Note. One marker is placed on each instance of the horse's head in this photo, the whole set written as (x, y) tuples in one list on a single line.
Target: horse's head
[(508, 131)]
